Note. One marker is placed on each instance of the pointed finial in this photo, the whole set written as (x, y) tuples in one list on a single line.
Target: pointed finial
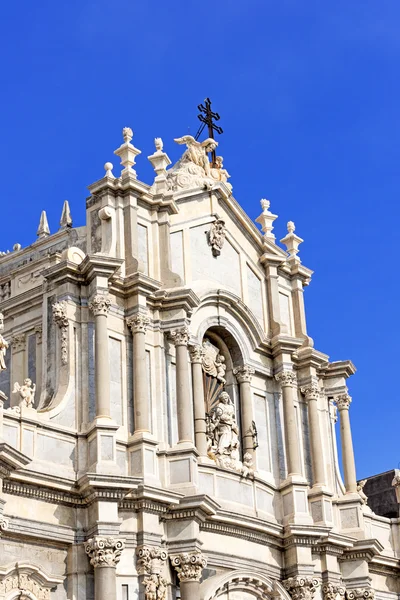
[(266, 219), (127, 152), (66, 219), (127, 134), (292, 243), (43, 229), (291, 227), (108, 167), (159, 144)]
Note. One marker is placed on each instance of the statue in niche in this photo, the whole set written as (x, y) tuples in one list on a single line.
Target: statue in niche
[(221, 367), (216, 236), (222, 433), (3, 346), (26, 392)]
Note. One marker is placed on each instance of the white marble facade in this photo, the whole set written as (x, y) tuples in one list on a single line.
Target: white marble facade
[(167, 429)]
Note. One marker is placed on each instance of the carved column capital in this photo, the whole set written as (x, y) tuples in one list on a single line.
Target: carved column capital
[(286, 378), (18, 342), (360, 594), (189, 565), (138, 323), (244, 373), (333, 591), (180, 337), (39, 333), (104, 551), (311, 391), (343, 401), (196, 353), (150, 559), (301, 588), (100, 304)]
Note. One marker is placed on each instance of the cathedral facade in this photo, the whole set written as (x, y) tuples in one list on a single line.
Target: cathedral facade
[(167, 428)]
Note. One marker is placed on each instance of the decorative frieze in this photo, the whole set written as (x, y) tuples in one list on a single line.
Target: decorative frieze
[(100, 304), (180, 337), (189, 565), (18, 342), (286, 378), (138, 323), (244, 373), (301, 588), (311, 391), (343, 401), (104, 551), (360, 594), (332, 591), (25, 587), (61, 319)]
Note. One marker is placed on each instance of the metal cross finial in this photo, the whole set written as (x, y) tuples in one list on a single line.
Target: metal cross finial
[(207, 117)]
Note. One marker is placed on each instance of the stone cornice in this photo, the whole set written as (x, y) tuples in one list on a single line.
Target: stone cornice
[(138, 283), (11, 459), (339, 368), (63, 272), (95, 265), (307, 358), (363, 550), (172, 299), (282, 344)]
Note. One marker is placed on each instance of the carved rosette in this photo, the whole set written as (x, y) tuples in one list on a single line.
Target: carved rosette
[(18, 342), (138, 323), (333, 591), (100, 304), (196, 353), (301, 588), (189, 566), (286, 378), (104, 551), (343, 401), (61, 319), (360, 593), (311, 391), (244, 373), (180, 337)]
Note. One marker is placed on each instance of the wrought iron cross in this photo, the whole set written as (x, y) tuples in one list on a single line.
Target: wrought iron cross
[(207, 117)]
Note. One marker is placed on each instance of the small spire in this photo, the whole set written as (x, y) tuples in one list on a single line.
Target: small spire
[(66, 219), (292, 243), (127, 153), (160, 161), (108, 167), (266, 219), (43, 229), (159, 144), (291, 227)]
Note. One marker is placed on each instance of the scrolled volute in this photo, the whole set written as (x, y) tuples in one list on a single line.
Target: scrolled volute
[(301, 588), (189, 566), (104, 551), (100, 304)]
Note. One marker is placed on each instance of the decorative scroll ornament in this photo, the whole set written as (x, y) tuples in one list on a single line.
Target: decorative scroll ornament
[(213, 362), (61, 319), (301, 588), (3, 346), (216, 236), (138, 323), (26, 392), (4, 523), (286, 378), (311, 391), (244, 373), (189, 566), (104, 551), (360, 593), (332, 591), (100, 304), (343, 401), (150, 562), (180, 337), (18, 342)]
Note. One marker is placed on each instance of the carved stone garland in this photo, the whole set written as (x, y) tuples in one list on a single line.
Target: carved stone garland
[(104, 551), (301, 588), (61, 319), (150, 562)]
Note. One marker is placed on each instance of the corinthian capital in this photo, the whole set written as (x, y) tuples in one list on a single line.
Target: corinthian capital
[(343, 401), (286, 378), (360, 593), (180, 337), (189, 566), (150, 560), (18, 342), (104, 551), (196, 353), (333, 591), (301, 588), (138, 323), (100, 305), (244, 373), (310, 391)]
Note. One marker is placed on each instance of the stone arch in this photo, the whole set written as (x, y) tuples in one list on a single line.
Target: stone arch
[(249, 584), (28, 581)]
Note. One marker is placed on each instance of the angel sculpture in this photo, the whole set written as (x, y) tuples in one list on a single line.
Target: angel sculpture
[(26, 392), (3, 346), (197, 152)]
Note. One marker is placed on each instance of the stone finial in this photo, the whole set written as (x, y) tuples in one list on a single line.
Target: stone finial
[(301, 588), (292, 243), (159, 144), (127, 153), (108, 167), (43, 229), (66, 219), (160, 161), (17, 247), (266, 219), (104, 551), (189, 565)]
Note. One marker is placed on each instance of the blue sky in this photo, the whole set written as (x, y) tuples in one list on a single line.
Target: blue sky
[(309, 97)]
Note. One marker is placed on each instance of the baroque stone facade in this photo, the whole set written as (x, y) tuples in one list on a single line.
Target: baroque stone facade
[(167, 428)]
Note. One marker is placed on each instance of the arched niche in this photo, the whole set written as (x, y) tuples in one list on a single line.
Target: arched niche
[(242, 585)]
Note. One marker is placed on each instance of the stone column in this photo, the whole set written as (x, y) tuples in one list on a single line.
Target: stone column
[(150, 566), (301, 588), (189, 567), (349, 467), (311, 393), (138, 325), (100, 305), (196, 356), (243, 375), (180, 338), (104, 554), (287, 379), (18, 371)]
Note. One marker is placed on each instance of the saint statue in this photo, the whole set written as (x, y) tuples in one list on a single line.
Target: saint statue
[(3, 346), (26, 392), (222, 431)]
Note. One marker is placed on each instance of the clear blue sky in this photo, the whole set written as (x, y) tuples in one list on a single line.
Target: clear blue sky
[(309, 95)]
